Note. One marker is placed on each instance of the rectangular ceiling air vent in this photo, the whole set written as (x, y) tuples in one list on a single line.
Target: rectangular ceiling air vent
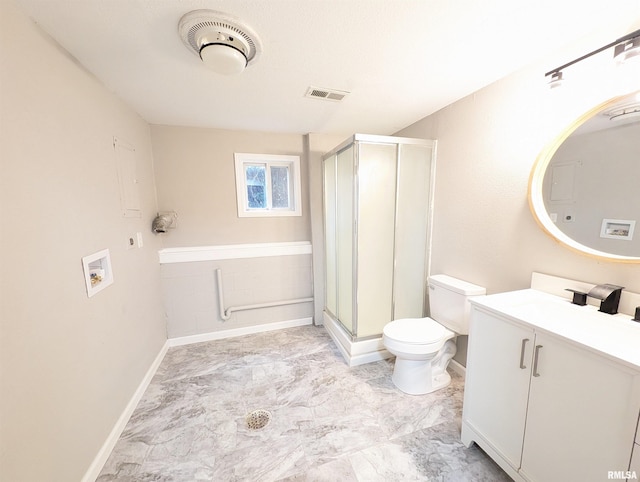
[(326, 94)]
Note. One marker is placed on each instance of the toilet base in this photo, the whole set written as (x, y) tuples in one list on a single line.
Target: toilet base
[(418, 377), (415, 377)]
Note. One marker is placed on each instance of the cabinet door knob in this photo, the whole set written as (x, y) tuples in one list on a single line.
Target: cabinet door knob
[(524, 343), (535, 361)]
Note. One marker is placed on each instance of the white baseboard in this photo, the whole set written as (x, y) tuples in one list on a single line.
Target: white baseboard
[(458, 368), (370, 357), (101, 458), (233, 332)]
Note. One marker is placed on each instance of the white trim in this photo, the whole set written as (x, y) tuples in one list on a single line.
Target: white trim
[(96, 466), (355, 352), (232, 251), (247, 330), (458, 368)]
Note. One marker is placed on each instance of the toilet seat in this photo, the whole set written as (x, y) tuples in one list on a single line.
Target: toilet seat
[(415, 336), (416, 331)]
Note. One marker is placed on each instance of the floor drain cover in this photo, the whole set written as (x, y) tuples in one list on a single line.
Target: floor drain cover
[(258, 419)]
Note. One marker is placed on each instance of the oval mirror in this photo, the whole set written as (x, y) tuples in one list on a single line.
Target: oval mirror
[(584, 188)]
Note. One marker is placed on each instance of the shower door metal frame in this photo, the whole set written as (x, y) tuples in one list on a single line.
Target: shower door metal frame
[(335, 153), (324, 231)]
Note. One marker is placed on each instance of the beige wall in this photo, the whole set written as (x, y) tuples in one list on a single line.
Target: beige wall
[(195, 176), (69, 364), (488, 142), (483, 230)]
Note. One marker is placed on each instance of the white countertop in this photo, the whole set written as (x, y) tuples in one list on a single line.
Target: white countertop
[(614, 336)]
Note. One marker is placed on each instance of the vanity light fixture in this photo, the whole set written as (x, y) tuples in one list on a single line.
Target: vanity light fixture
[(556, 80), (626, 47), (627, 50), (223, 43)]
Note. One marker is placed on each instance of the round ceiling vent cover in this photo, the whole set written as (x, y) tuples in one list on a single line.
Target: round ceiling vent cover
[(204, 28)]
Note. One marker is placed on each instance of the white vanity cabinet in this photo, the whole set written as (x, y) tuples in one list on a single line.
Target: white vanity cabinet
[(496, 388), (543, 406), (634, 468), (580, 419)]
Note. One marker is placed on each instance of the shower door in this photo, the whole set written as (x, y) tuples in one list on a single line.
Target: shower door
[(339, 225), (375, 236), (377, 203), (412, 229)]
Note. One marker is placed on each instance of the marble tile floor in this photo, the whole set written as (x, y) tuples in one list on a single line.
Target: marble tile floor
[(329, 422)]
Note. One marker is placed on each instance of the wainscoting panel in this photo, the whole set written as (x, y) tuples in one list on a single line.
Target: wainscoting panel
[(190, 292)]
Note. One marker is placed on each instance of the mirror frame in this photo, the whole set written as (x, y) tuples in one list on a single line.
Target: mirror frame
[(536, 201)]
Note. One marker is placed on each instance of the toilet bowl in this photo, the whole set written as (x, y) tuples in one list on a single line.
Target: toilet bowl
[(423, 349), (424, 346)]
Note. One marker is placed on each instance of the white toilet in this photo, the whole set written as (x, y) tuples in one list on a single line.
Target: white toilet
[(424, 346)]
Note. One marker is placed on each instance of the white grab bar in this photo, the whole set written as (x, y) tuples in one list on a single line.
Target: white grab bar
[(226, 314)]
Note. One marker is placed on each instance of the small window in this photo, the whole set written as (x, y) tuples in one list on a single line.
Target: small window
[(268, 185)]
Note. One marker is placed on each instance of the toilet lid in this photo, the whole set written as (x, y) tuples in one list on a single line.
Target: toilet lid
[(419, 331)]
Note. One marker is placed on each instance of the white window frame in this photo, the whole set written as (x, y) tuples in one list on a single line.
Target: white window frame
[(268, 160)]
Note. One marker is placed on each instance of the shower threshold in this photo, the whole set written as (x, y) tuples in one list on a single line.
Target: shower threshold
[(355, 352)]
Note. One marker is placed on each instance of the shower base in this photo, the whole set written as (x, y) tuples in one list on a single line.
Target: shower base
[(355, 352)]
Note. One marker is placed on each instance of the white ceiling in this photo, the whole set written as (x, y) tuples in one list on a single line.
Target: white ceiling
[(399, 59)]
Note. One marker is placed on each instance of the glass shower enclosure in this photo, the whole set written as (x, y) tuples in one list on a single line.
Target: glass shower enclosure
[(378, 193)]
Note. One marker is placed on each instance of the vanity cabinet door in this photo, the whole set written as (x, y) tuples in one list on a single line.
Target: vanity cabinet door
[(497, 382), (581, 417), (635, 460)]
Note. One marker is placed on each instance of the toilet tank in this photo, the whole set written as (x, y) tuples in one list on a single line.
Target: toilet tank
[(449, 301)]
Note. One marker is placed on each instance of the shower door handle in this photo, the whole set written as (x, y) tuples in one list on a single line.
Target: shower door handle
[(524, 343)]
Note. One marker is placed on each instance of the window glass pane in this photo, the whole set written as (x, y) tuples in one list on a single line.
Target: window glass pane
[(280, 186), (256, 187), (267, 185)]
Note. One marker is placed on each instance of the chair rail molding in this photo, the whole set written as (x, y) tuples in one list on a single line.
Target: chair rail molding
[(233, 251)]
